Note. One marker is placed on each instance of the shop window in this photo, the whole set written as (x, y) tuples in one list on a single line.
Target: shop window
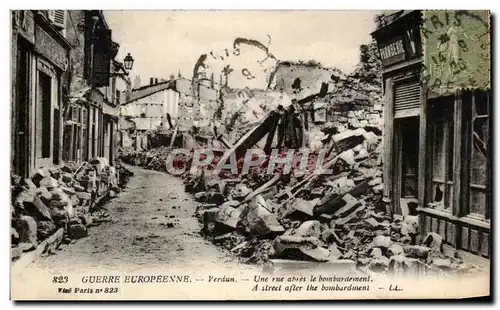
[(480, 148), (442, 156)]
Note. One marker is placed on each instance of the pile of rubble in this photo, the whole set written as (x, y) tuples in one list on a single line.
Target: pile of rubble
[(63, 197), (337, 218)]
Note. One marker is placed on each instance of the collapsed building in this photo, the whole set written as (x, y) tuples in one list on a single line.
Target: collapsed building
[(341, 218)]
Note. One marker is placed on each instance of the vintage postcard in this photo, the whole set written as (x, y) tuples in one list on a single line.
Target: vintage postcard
[(250, 155)]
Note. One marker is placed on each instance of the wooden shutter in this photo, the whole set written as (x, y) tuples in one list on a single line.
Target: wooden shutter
[(101, 58), (407, 98)]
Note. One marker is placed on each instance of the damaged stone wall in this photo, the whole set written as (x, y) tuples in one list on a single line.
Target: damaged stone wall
[(60, 197)]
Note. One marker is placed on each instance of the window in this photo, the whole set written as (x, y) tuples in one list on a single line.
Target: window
[(94, 133), (479, 156), (473, 159), (84, 134), (442, 154)]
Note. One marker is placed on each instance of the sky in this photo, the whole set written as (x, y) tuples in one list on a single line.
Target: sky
[(167, 42)]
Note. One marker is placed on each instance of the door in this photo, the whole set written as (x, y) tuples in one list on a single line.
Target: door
[(406, 164), (21, 132)]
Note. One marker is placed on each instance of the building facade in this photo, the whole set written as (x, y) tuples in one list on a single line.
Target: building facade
[(39, 74), (64, 102), (91, 117), (149, 106), (437, 147)]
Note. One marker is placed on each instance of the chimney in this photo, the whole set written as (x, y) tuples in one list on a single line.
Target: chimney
[(151, 81), (156, 80), (172, 77), (212, 82), (137, 81)]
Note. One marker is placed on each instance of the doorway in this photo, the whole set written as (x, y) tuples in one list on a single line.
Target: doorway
[(406, 164), (21, 130)]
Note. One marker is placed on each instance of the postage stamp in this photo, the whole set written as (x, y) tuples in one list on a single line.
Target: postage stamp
[(249, 155), (456, 49)]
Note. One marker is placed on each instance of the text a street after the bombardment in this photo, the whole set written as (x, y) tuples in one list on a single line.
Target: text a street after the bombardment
[(246, 156)]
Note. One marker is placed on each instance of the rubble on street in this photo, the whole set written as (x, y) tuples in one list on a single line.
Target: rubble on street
[(68, 197), (335, 219)]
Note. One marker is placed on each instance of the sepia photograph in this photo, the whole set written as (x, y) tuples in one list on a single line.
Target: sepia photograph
[(250, 154)]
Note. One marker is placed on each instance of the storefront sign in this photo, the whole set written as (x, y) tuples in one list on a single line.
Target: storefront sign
[(392, 52)]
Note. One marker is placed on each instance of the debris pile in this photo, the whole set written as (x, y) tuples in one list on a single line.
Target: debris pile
[(336, 217), (61, 197)]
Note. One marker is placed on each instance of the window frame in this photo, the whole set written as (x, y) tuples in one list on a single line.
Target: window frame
[(463, 129)]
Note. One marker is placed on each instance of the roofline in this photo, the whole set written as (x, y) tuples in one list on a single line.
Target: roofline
[(150, 85), (391, 24), (149, 94)]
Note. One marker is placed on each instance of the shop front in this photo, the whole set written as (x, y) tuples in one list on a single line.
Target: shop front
[(437, 147)]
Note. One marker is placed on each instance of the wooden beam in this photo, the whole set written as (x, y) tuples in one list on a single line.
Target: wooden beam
[(457, 154), (174, 135), (388, 138), (251, 137), (423, 154), (263, 187)]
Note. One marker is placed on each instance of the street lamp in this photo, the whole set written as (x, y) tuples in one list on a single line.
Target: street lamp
[(128, 62)]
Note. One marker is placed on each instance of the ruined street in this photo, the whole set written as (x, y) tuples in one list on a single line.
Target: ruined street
[(151, 226)]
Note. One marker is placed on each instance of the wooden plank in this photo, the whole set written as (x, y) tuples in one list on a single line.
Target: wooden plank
[(449, 232), (388, 137), (489, 158), (434, 225), (407, 113), (262, 188), (442, 228), (474, 241), (465, 239), (454, 235), (485, 245), (29, 257), (397, 170), (457, 154), (422, 147), (174, 135), (427, 224), (251, 137)]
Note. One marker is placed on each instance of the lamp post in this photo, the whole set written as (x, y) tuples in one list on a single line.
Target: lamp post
[(128, 62)]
